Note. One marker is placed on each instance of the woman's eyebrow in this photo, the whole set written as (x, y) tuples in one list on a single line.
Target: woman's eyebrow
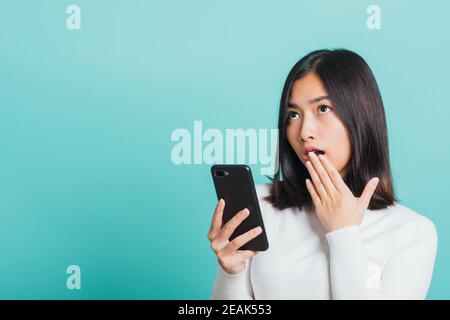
[(314, 100)]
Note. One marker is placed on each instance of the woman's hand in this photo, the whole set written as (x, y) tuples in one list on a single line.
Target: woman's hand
[(335, 204), (230, 258)]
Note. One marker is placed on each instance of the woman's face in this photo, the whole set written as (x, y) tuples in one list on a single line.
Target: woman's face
[(312, 122)]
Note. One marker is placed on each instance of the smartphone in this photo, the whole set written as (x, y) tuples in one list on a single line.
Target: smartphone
[(234, 183)]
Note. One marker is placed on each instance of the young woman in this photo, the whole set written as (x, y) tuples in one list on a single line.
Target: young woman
[(334, 227)]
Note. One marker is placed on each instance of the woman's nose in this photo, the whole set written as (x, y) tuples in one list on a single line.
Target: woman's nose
[(308, 129)]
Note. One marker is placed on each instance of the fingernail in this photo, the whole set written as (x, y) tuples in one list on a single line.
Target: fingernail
[(221, 201), (258, 229), (245, 212)]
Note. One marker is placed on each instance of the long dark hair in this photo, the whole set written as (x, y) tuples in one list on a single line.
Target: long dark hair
[(354, 93)]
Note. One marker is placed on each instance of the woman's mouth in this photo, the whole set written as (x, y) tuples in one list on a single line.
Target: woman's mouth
[(305, 155)]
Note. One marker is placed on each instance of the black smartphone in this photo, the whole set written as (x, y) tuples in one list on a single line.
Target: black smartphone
[(234, 183)]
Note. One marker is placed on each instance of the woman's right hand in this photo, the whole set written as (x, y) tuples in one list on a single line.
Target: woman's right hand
[(230, 258)]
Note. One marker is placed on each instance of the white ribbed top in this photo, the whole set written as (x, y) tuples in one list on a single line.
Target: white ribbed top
[(389, 256)]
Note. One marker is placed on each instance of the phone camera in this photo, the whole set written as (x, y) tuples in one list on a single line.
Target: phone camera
[(220, 173)]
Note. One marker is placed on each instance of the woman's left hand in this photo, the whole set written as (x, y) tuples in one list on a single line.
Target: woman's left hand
[(335, 203)]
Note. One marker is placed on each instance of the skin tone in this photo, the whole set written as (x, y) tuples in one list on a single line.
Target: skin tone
[(311, 121), (230, 258)]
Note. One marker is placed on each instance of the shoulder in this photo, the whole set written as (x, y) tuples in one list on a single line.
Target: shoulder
[(262, 190), (410, 225), (404, 216), (267, 209), (275, 220)]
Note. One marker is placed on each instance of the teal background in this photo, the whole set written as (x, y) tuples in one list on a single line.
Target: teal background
[(86, 116)]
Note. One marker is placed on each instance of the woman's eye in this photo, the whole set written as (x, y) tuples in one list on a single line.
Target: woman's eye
[(292, 115), (322, 107)]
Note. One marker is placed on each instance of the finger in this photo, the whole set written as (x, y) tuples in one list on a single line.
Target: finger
[(323, 174), (216, 222), (316, 181), (335, 176), (246, 254), (312, 191), (367, 194), (231, 225), (239, 241)]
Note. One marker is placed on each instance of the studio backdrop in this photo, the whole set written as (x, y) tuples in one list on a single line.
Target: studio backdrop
[(112, 113)]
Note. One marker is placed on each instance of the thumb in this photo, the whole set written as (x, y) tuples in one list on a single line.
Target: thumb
[(369, 189)]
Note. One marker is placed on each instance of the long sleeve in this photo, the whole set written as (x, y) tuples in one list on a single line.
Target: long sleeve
[(232, 286), (407, 273)]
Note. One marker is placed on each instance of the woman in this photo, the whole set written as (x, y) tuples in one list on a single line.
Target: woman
[(334, 227)]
